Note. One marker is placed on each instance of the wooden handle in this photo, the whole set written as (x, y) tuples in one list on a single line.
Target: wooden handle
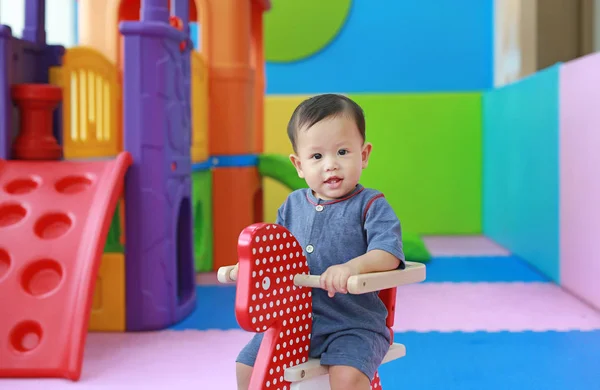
[(376, 281), (359, 284), (224, 274)]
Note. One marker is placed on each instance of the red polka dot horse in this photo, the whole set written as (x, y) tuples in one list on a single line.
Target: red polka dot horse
[(274, 296)]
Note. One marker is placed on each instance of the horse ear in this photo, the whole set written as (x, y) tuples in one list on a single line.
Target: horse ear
[(269, 257)]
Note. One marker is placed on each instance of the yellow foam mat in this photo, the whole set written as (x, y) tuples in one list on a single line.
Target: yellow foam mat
[(108, 306), (278, 111)]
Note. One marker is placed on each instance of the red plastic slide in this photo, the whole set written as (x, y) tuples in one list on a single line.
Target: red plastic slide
[(54, 219)]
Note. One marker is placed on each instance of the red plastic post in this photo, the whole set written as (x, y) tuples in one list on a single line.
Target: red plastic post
[(36, 104)]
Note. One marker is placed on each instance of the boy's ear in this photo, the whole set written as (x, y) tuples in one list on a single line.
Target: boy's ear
[(297, 164), (366, 153)]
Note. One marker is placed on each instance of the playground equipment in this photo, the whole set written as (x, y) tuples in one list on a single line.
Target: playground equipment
[(175, 121), (274, 296), (200, 144), (133, 115)]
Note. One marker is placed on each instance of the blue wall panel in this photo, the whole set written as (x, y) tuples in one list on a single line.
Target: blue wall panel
[(398, 46), (520, 169)]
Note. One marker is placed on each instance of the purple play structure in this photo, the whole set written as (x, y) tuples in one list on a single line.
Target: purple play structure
[(159, 265), (160, 280)]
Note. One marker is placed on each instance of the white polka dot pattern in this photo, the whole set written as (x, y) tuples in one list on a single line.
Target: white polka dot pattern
[(376, 383), (267, 301)]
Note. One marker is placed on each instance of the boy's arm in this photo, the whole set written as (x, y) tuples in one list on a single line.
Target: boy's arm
[(375, 260), (384, 239)]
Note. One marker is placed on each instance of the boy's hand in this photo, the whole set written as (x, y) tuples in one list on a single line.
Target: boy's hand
[(335, 278)]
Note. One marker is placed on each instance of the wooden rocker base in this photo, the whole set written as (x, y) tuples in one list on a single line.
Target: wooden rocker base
[(313, 369)]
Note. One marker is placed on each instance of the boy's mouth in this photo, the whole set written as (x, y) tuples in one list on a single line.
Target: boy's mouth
[(333, 180)]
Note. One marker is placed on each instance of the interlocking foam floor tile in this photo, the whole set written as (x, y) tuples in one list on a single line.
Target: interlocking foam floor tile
[(463, 246), (441, 307), (495, 361), (491, 307), (152, 361), (193, 360), (482, 269), (215, 309)]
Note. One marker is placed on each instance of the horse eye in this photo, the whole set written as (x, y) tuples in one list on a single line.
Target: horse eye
[(266, 283)]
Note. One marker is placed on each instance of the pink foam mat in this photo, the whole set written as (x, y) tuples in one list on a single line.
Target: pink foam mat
[(463, 246), (491, 307), (179, 360)]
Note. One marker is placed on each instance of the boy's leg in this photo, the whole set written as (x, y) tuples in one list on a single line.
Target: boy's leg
[(348, 378), (245, 361), (243, 374), (353, 358)]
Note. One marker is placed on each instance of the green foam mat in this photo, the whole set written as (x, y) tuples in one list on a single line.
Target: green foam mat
[(414, 248)]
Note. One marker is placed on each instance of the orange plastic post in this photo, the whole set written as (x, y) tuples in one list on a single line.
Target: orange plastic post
[(231, 79), (36, 103), (259, 76), (235, 192)]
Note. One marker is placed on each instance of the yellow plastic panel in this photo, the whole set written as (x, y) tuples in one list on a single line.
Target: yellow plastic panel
[(91, 103), (108, 306), (199, 101), (278, 110)]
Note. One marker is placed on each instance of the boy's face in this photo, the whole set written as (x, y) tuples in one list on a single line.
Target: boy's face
[(331, 156)]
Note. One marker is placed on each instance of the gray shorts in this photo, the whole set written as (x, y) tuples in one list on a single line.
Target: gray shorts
[(358, 348)]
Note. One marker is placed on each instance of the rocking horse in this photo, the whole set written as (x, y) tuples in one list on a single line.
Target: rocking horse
[(274, 296)]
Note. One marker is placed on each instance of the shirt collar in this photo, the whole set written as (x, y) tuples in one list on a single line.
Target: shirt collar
[(314, 200)]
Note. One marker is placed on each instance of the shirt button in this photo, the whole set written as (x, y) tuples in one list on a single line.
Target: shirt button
[(319, 207), (310, 248)]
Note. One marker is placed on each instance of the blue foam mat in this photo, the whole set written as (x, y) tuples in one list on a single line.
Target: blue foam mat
[(478, 360), (211, 300), (465, 361), (481, 269), (214, 310)]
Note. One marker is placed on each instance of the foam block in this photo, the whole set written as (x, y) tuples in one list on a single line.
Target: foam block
[(520, 178), (414, 248), (427, 159), (580, 178)]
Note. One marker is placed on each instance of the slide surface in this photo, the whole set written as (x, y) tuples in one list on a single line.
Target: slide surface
[(54, 221)]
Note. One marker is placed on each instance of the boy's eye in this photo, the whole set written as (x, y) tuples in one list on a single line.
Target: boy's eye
[(317, 156), (342, 152)]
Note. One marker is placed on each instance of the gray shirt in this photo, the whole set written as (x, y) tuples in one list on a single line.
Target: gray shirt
[(333, 232)]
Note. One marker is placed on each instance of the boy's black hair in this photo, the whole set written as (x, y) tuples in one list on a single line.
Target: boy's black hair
[(317, 108)]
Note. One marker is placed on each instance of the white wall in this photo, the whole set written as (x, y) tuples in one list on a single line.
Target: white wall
[(596, 43), (60, 20), (515, 36)]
